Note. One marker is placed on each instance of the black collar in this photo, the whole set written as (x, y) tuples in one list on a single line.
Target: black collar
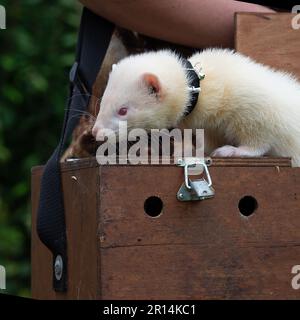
[(194, 85)]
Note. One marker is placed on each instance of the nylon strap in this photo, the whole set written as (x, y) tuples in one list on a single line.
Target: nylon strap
[(93, 40)]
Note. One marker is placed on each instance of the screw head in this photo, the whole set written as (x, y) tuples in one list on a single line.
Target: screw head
[(180, 195), (58, 267)]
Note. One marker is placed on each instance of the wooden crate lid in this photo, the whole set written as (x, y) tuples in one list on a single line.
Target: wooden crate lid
[(217, 162)]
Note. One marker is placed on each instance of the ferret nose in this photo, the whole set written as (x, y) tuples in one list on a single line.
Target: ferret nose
[(98, 133), (95, 131)]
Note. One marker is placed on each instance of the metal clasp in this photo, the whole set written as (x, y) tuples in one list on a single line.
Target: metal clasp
[(193, 89), (200, 189)]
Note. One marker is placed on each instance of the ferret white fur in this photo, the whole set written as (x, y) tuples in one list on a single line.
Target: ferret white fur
[(245, 108)]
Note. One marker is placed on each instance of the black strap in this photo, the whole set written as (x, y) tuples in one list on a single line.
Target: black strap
[(194, 82), (94, 37)]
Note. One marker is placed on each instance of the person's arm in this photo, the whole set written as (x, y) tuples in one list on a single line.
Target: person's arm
[(195, 23)]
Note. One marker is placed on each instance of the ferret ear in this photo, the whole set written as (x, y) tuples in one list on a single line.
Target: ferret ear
[(152, 83)]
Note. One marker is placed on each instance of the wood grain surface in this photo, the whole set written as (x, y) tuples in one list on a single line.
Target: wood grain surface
[(270, 39), (199, 250)]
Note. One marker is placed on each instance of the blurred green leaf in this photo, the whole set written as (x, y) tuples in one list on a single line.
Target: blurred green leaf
[(8, 63), (36, 52)]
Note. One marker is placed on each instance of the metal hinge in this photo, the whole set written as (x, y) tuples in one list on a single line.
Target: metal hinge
[(200, 189)]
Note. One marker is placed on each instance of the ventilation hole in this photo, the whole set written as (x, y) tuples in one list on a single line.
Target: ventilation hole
[(153, 206), (247, 205)]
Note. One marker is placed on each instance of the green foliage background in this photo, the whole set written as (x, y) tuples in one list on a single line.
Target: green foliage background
[(36, 52)]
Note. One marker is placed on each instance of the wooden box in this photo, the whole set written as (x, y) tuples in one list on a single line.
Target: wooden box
[(192, 250)]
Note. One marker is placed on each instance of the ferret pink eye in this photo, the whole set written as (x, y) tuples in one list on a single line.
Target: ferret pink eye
[(122, 111)]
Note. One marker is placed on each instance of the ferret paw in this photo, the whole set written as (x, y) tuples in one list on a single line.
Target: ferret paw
[(241, 151), (225, 151)]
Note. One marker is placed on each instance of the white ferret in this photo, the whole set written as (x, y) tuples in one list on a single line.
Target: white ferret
[(245, 108)]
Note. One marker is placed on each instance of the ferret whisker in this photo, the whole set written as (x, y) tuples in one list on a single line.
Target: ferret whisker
[(97, 100), (75, 116), (81, 112), (78, 95), (94, 107)]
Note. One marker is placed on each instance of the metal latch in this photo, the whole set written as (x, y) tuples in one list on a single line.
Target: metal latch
[(200, 189)]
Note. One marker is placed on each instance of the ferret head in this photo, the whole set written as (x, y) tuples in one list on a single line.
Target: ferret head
[(148, 91)]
